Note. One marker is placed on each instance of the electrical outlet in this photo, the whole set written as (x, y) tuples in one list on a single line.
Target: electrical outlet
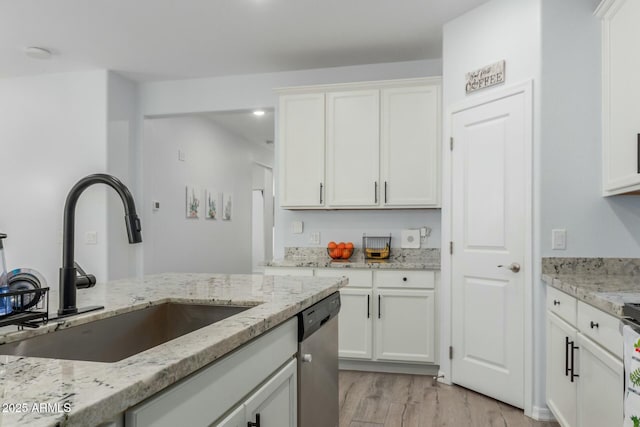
[(91, 238), (314, 238), (559, 239), (181, 155), (297, 227)]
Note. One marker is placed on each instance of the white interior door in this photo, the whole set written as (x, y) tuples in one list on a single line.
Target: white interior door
[(489, 226)]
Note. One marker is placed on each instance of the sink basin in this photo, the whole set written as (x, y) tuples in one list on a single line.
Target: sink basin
[(118, 337)]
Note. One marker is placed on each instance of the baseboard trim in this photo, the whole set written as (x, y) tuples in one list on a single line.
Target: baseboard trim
[(542, 413), (388, 367)]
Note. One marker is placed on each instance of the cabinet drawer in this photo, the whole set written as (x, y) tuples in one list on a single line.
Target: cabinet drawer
[(601, 327), (405, 279), (357, 278), (288, 271), (565, 306)]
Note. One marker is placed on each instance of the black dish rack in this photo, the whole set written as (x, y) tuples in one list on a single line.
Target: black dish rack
[(30, 308)]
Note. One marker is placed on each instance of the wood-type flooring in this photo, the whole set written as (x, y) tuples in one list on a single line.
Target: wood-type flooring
[(369, 399)]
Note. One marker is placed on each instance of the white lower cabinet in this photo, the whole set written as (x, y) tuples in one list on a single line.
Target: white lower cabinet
[(585, 376), (601, 385), (259, 377), (272, 405), (355, 324), (561, 391), (405, 325), (386, 315)]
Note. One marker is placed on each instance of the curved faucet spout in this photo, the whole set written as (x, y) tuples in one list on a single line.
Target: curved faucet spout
[(68, 272)]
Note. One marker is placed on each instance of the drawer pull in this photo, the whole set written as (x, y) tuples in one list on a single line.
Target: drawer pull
[(593, 325), (404, 279), (556, 302)]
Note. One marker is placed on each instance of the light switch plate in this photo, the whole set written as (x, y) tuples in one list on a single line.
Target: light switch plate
[(91, 238), (314, 238), (559, 239), (297, 227), (410, 239)]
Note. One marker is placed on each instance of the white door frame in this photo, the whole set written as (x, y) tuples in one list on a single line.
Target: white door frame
[(445, 290)]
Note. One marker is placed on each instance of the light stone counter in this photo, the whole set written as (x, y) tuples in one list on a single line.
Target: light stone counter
[(96, 391), (605, 283), (400, 259), (354, 263), (606, 292)]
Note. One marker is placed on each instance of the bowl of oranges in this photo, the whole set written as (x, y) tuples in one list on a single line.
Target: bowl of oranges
[(340, 250)]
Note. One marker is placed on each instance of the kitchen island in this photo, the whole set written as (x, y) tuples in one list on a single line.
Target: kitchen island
[(95, 392)]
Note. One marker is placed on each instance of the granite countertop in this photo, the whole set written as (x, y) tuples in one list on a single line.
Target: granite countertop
[(400, 259), (96, 392), (608, 292), (605, 283), (326, 262)]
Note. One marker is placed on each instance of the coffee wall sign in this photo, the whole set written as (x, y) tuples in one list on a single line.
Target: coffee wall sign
[(490, 75)]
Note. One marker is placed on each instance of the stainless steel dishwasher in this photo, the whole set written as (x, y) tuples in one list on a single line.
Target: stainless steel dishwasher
[(318, 364)]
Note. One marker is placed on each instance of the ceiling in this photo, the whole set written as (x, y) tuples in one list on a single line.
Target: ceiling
[(257, 130), (174, 39)]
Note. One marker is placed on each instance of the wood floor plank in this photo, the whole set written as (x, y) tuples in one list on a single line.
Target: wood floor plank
[(403, 415), (372, 409), (370, 399), (352, 389)]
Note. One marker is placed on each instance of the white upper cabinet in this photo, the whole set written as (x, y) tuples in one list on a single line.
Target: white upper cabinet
[(301, 127), (410, 142), (377, 144), (353, 148), (620, 94)]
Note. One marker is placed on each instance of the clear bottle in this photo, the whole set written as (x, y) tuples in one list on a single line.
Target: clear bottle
[(5, 302)]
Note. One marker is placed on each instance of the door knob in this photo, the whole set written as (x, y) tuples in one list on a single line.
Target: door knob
[(307, 357), (515, 267)]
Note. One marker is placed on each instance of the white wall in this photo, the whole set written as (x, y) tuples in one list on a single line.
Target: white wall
[(214, 158), (571, 173), (497, 30), (52, 133), (122, 258), (252, 91)]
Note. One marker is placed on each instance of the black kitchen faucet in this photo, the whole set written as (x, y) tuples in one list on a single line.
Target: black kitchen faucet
[(69, 278)]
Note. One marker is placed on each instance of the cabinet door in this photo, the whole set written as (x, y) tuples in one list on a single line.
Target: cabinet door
[(600, 389), (354, 330), (405, 325), (301, 127), (410, 135), (235, 419), (561, 392), (620, 92), (353, 148), (275, 402)]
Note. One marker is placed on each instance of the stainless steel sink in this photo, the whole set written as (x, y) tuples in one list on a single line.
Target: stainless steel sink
[(118, 337)]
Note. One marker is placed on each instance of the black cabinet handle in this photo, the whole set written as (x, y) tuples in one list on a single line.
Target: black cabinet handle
[(556, 302), (375, 192), (573, 361), (320, 193), (368, 306), (566, 356), (404, 279), (593, 325), (379, 309), (385, 192), (256, 424)]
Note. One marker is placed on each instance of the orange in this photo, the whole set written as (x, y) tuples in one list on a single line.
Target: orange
[(336, 253), (341, 245), (349, 245), (332, 245), (346, 254)]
